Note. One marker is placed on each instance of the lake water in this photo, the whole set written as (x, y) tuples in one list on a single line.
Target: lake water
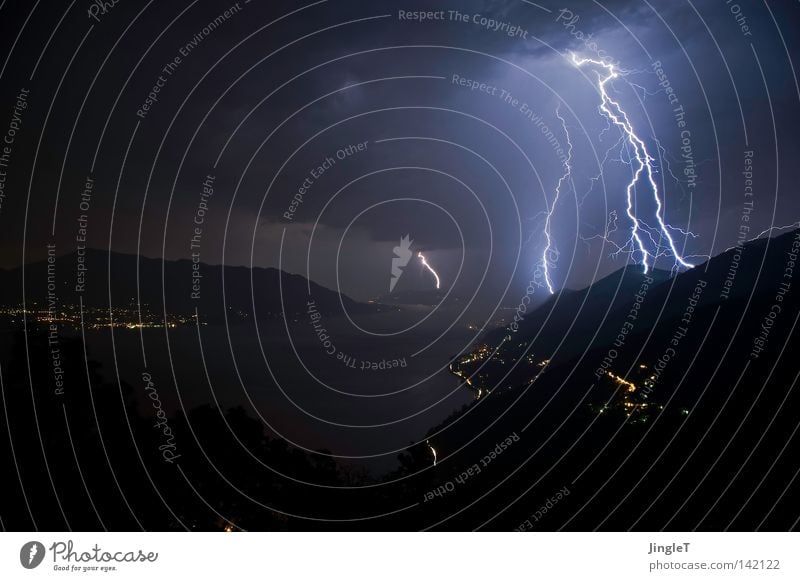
[(356, 394)]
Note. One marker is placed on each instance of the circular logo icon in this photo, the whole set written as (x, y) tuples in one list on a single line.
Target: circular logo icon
[(31, 554)]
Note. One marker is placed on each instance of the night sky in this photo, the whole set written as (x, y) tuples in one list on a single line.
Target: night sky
[(272, 90)]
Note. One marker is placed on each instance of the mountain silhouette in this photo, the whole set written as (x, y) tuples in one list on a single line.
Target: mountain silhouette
[(179, 287), (672, 414)]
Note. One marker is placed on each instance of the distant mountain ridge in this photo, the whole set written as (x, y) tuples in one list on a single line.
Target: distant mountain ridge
[(583, 312), (558, 314), (179, 286)]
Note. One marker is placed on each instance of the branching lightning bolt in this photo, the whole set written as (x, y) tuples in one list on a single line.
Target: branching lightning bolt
[(428, 266), (547, 224), (644, 165)]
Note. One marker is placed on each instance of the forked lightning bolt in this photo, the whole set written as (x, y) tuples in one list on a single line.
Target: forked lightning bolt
[(644, 164), (428, 266), (547, 224)]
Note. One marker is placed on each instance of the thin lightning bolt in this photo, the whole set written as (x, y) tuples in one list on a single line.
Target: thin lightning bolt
[(611, 227), (428, 266), (433, 451), (613, 111), (32, 554), (772, 229), (668, 167), (565, 176)]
